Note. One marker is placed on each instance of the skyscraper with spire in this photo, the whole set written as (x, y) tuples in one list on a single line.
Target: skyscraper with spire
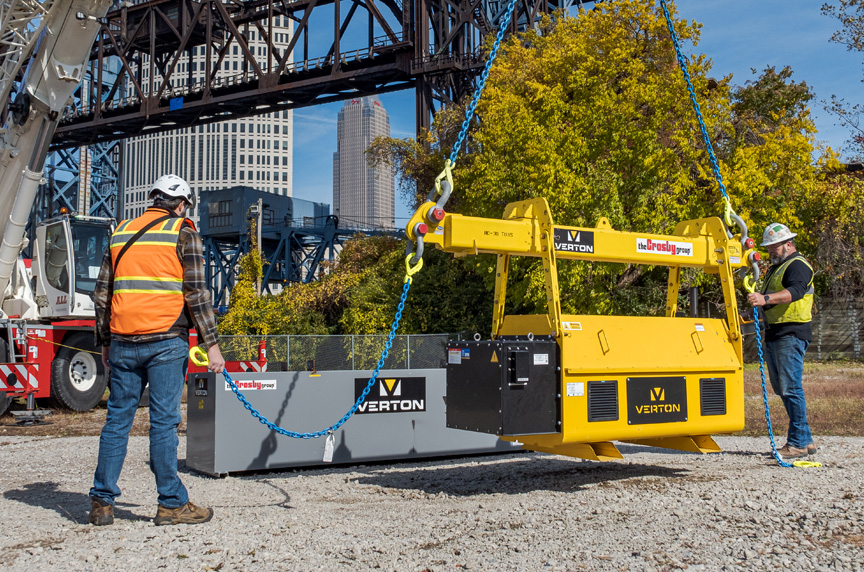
[(363, 196)]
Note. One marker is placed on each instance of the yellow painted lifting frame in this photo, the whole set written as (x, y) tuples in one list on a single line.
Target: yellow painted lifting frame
[(647, 359)]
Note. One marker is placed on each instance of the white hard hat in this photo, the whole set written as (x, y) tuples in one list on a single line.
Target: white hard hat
[(173, 186), (775, 233)]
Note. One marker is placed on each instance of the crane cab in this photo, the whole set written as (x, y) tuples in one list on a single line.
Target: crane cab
[(66, 264)]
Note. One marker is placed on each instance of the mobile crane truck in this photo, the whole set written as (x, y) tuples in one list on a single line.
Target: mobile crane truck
[(46, 306)]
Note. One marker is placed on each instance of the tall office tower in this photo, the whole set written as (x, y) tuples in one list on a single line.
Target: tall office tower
[(363, 197), (254, 151)]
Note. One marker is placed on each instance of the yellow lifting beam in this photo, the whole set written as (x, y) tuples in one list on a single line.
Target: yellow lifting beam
[(662, 381)]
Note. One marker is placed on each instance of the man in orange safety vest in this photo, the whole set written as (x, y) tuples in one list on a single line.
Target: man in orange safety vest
[(151, 290)]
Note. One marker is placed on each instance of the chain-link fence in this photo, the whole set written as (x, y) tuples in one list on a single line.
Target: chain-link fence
[(338, 353), (837, 332)]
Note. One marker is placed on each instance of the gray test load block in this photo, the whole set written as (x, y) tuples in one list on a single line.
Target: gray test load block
[(403, 418)]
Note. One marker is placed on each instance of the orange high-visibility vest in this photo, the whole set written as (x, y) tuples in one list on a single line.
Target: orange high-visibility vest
[(148, 281)]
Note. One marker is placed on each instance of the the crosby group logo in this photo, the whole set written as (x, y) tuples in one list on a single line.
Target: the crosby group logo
[(666, 247), (392, 395), (252, 384), (573, 240), (656, 400)]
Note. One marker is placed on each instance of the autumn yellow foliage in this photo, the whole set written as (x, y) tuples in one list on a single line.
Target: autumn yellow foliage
[(592, 113)]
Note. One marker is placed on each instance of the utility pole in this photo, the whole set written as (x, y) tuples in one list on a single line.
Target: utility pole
[(257, 209), (258, 239), (258, 228)]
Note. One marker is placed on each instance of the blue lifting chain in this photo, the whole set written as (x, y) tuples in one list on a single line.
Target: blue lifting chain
[(200, 358), (682, 63), (774, 452)]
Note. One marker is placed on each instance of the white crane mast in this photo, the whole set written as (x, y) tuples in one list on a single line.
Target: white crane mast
[(66, 32), (21, 22)]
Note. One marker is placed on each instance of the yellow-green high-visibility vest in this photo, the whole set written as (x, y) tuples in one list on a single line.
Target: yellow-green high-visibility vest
[(798, 311)]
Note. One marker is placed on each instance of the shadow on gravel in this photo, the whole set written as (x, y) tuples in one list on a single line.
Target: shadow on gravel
[(536, 473), (72, 506)]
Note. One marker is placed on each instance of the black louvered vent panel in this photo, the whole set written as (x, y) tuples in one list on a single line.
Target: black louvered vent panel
[(603, 400), (713, 392)]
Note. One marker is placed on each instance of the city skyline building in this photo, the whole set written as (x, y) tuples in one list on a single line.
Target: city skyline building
[(363, 196), (253, 151)]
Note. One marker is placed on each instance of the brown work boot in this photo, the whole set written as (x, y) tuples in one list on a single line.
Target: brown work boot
[(790, 452), (811, 449), (101, 512), (186, 514)]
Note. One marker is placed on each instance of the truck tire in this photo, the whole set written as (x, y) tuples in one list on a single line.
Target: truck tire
[(78, 377)]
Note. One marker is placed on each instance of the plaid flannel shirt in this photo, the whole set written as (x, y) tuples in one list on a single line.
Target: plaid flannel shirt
[(190, 251)]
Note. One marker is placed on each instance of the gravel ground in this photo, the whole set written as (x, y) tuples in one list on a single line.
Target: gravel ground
[(656, 510)]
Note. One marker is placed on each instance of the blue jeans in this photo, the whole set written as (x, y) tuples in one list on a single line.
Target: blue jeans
[(785, 357), (162, 364)]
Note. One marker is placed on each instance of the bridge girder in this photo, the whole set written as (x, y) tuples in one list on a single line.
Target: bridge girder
[(372, 47)]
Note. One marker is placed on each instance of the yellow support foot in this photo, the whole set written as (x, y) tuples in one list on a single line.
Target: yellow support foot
[(592, 451), (694, 444)]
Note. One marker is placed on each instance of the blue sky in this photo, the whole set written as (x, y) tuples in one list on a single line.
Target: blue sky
[(737, 35)]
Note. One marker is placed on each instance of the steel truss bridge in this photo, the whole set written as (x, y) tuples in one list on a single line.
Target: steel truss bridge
[(296, 253), (339, 49)]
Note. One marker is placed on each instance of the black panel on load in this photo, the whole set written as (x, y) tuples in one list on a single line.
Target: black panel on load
[(656, 400), (713, 396), (503, 387), (603, 400)]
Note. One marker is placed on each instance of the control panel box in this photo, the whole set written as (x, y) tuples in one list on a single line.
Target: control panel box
[(504, 386)]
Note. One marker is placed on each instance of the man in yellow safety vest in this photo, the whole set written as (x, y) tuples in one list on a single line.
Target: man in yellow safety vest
[(787, 303)]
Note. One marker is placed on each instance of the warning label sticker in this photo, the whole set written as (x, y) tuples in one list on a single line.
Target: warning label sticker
[(576, 389), (454, 356)]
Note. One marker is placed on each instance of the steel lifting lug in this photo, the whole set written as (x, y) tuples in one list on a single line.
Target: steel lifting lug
[(739, 222), (416, 254), (750, 281), (420, 229)]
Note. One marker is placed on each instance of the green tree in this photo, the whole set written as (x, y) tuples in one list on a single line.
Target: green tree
[(592, 113), (360, 295)]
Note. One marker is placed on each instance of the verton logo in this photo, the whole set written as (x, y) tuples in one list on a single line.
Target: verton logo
[(390, 387), (569, 240), (392, 395), (656, 400)]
